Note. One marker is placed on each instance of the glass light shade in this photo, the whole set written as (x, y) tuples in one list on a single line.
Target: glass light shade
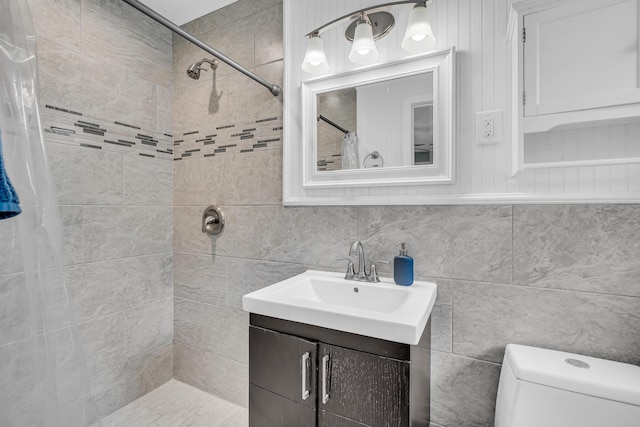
[(315, 60), (419, 36), (364, 49)]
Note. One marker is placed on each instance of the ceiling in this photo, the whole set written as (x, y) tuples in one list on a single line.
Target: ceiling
[(182, 11)]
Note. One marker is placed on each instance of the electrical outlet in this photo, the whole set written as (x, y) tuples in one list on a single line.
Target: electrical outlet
[(488, 127)]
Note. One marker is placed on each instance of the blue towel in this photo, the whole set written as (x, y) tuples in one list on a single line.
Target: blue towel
[(9, 202)]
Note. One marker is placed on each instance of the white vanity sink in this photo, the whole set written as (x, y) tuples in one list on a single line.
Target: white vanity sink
[(381, 310)]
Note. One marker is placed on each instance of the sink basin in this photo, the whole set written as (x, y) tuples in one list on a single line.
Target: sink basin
[(381, 310)]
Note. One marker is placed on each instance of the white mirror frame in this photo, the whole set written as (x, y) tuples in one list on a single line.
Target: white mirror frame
[(442, 64)]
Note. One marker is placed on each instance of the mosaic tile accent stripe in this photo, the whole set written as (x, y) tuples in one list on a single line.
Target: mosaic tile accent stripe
[(74, 128), (262, 134)]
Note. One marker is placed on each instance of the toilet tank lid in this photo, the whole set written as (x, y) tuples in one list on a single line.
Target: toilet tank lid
[(602, 378)]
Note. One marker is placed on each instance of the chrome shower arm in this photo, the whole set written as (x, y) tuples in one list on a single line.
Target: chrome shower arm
[(274, 89)]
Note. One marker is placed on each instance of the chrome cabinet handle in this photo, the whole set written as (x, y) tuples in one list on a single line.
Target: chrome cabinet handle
[(325, 378), (306, 370)]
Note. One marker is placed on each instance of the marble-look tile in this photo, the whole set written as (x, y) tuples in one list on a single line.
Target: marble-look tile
[(185, 54), (234, 38), (115, 387), (116, 232), (202, 104), (215, 374), (102, 175), (15, 308), (72, 239), (20, 376), (164, 109), (26, 386), (591, 248), (148, 327), (10, 249), (248, 275), (487, 317), (465, 242), (220, 330), (103, 342), (237, 238), (463, 391), (236, 11), (174, 401), (148, 182), (249, 100), (66, 15), (187, 229), (188, 181), (268, 35), (130, 39), (72, 383), (101, 288), (97, 89), (305, 235), (441, 328), (165, 278), (201, 278), (249, 178), (216, 175)]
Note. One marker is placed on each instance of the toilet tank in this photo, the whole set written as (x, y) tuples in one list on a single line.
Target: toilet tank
[(540, 387)]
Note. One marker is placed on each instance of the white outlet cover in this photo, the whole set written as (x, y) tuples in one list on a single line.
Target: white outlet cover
[(496, 116)]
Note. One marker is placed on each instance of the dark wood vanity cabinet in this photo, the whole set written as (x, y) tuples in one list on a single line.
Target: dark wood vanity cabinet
[(303, 375)]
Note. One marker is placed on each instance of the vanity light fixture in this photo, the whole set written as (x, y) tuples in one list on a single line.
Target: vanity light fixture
[(364, 49), (419, 35), (368, 25), (315, 60)]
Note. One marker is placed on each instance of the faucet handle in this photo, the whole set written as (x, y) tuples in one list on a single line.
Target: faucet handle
[(350, 274), (373, 273)]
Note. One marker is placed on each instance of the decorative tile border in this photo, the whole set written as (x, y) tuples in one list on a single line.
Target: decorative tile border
[(74, 128), (263, 134)]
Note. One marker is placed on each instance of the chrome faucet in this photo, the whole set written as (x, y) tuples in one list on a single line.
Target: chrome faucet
[(360, 273), (358, 250)]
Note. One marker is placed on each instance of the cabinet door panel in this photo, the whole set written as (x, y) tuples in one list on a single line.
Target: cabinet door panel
[(267, 409), (363, 387), (582, 55), (327, 419), (277, 363)]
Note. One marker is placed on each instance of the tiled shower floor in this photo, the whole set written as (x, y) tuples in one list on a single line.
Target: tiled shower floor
[(177, 404)]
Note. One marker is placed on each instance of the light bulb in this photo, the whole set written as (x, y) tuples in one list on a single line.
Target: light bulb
[(315, 60), (419, 36), (364, 49)]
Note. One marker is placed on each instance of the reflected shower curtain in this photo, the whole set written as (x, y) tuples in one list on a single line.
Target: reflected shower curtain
[(43, 380)]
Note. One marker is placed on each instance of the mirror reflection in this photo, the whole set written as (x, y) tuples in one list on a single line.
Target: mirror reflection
[(377, 125)]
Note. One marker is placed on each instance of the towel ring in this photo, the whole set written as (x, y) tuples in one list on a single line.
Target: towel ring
[(377, 160)]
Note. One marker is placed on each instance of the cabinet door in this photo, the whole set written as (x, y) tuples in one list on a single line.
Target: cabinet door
[(582, 55), (361, 387), (282, 379)]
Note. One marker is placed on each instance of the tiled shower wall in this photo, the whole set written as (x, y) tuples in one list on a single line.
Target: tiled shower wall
[(557, 276), (105, 95)]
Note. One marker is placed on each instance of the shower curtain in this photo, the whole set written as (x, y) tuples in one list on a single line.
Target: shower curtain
[(43, 379)]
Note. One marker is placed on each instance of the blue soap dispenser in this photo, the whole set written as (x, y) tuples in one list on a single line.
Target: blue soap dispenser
[(403, 267)]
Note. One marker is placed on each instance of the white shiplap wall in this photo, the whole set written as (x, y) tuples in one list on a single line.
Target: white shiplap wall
[(477, 29)]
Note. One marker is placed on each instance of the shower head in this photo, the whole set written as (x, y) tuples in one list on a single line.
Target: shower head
[(194, 70)]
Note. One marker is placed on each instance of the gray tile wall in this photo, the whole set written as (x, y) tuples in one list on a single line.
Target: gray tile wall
[(561, 277), (109, 63)]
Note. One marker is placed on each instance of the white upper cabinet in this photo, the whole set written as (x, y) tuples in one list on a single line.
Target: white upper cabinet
[(574, 64), (580, 56)]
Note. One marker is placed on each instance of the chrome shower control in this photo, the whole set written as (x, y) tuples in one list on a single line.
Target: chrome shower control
[(212, 220)]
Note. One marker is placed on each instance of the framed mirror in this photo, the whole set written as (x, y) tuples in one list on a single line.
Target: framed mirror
[(390, 124)]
